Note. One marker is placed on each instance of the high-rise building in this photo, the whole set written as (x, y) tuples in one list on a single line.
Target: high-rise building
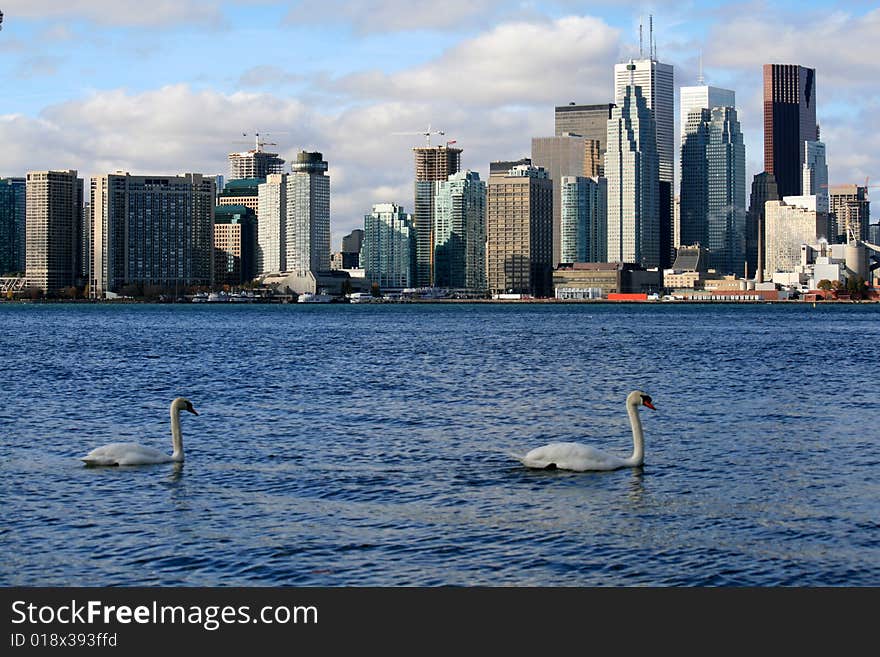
[(501, 167), (789, 122), (235, 244), (694, 189), (12, 225), (53, 230), (631, 167), (851, 209), (308, 214), (272, 225), (726, 191), (588, 121), (763, 189), (594, 158), (433, 163), (584, 219), (352, 242), (243, 191), (255, 163), (815, 171), (559, 156), (460, 232), (788, 227), (656, 81), (388, 249), (702, 96), (151, 231), (519, 232), (293, 218)]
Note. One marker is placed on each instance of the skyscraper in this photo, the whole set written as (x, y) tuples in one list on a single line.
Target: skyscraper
[(702, 96), (308, 214), (53, 227), (763, 189), (388, 250), (151, 231), (584, 219), (559, 156), (460, 232), (631, 166), (12, 225), (788, 227), (433, 163), (519, 232), (694, 193), (235, 243), (293, 233), (726, 191), (351, 249), (255, 163), (588, 121), (272, 225), (789, 121), (656, 81)]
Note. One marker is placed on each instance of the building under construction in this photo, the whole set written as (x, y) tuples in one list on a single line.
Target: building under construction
[(433, 163)]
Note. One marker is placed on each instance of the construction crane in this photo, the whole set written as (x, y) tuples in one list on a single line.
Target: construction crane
[(426, 133), (258, 145)]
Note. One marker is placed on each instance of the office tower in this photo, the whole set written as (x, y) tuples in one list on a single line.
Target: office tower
[(656, 81), (12, 225), (503, 166), (702, 96), (631, 167), (559, 156), (763, 189), (726, 191), (255, 163), (235, 244), (789, 122), (308, 214), (694, 190), (788, 227), (588, 121), (519, 232), (433, 163), (349, 257), (243, 191), (815, 170), (272, 224), (293, 218), (388, 249), (460, 232), (584, 218), (852, 211), (151, 231), (53, 229)]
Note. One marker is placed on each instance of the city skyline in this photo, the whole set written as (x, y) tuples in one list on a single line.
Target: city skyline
[(347, 103)]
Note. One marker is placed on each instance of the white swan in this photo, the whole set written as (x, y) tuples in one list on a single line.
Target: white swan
[(578, 457), (134, 454)]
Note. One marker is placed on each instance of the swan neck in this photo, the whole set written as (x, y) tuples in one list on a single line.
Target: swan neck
[(638, 455), (176, 435)]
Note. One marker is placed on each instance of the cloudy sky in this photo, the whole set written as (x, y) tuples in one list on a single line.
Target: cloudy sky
[(167, 86)]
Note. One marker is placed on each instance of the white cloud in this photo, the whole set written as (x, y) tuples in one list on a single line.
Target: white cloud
[(516, 63)]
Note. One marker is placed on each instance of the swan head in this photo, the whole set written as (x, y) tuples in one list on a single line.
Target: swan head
[(183, 404), (639, 398)]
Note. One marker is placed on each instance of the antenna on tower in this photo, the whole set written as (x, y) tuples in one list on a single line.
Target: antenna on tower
[(700, 79), (641, 49), (651, 36)]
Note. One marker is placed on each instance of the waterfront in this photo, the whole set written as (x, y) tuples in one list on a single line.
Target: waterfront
[(367, 444)]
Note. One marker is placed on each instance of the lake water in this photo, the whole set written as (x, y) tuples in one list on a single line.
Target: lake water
[(367, 445)]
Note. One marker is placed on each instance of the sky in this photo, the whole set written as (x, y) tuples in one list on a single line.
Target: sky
[(172, 86)]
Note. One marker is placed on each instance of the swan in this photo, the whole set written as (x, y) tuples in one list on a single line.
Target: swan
[(578, 457), (134, 454)]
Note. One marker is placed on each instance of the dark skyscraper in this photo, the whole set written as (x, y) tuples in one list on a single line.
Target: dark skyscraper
[(763, 189), (789, 121)]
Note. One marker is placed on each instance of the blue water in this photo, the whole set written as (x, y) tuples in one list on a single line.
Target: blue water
[(367, 445)]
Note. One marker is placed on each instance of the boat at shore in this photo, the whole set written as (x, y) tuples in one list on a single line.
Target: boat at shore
[(310, 297)]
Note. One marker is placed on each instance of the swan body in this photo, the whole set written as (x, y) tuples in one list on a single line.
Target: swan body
[(583, 458), (135, 454)]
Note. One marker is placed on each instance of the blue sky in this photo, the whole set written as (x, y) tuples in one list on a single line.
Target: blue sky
[(170, 85)]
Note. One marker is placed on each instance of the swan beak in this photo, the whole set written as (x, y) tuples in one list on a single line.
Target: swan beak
[(649, 405), (191, 410)]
